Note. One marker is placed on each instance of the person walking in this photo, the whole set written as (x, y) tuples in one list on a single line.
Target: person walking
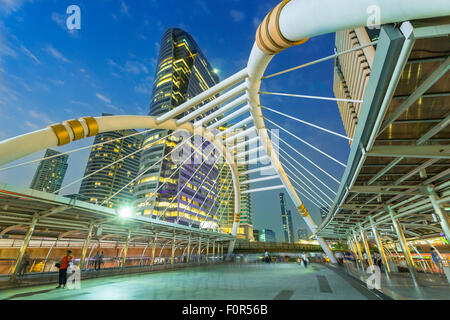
[(63, 265), (97, 261), (437, 262), (100, 260), (305, 262)]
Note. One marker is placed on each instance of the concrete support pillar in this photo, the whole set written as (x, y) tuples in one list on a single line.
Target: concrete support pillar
[(199, 252), (188, 249), (172, 257), (86, 246), (443, 217), (366, 248), (154, 249), (403, 245), (380, 247), (214, 250), (125, 250), (24, 247), (221, 252), (358, 249), (207, 250)]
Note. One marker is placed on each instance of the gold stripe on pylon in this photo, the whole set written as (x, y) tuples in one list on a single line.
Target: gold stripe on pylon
[(61, 133), (302, 210), (77, 129), (92, 126)]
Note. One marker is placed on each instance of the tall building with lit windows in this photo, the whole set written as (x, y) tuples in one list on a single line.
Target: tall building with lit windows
[(50, 172), (286, 218), (99, 186), (226, 196), (163, 191)]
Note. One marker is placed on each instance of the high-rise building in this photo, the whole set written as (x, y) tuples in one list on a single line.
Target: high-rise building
[(267, 235), (352, 72), (226, 207), (286, 220), (163, 191), (100, 186), (256, 234), (302, 234), (50, 173)]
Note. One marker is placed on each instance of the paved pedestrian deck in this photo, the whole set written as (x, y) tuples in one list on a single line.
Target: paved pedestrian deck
[(285, 281), (400, 286)]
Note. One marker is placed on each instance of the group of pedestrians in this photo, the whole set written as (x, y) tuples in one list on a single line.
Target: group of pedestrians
[(98, 260), (377, 261)]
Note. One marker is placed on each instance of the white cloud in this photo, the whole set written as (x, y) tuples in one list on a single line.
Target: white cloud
[(30, 54), (32, 125), (124, 8), (42, 116), (60, 19), (56, 54), (81, 103), (103, 98), (237, 15), (9, 6)]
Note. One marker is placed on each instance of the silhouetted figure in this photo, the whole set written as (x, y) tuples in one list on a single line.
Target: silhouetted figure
[(63, 265)]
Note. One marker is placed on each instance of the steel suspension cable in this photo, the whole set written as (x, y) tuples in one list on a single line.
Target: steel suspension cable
[(145, 171), (105, 167), (306, 158), (306, 178), (303, 195), (199, 188), (207, 196), (308, 144), (223, 195), (308, 123), (322, 59), (213, 203), (184, 186), (75, 150), (332, 191), (319, 199), (310, 97)]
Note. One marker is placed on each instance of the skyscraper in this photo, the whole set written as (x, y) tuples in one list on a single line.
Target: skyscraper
[(102, 185), (182, 73), (50, 173), (267, 235), (287, 221), (226, 208)]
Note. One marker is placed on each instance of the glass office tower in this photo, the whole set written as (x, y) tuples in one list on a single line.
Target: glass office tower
[(101, 185), (287, 221), (50, 173), (178, 196)]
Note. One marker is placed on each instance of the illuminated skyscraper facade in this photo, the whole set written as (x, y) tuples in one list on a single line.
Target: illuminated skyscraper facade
[(226, 198), (100, 186), (50, 173), (286, 220), (177, 196)]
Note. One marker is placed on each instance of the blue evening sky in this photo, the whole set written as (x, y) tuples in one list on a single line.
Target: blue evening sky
[(49, 74)]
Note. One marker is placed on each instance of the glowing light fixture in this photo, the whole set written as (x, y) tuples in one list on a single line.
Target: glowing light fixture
[(125, 212)]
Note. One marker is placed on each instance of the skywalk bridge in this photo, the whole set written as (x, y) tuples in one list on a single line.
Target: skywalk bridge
[(395, 186)]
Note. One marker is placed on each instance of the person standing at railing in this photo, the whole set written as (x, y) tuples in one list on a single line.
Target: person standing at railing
[(63, 265), (100, 260), (437, 261), (26, 261), (97, 261)]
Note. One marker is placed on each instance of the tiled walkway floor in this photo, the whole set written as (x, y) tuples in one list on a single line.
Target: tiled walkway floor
[(231, 281)]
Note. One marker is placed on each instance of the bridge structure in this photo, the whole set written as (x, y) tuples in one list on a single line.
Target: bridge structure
[(402, 132)]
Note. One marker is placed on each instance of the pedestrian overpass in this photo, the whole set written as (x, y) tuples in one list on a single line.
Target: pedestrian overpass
[(402, 133)]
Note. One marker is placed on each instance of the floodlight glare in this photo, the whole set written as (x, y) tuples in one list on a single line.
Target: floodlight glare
[(125, 212)]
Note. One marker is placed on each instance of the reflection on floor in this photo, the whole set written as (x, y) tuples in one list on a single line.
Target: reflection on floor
[(230, 281)]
